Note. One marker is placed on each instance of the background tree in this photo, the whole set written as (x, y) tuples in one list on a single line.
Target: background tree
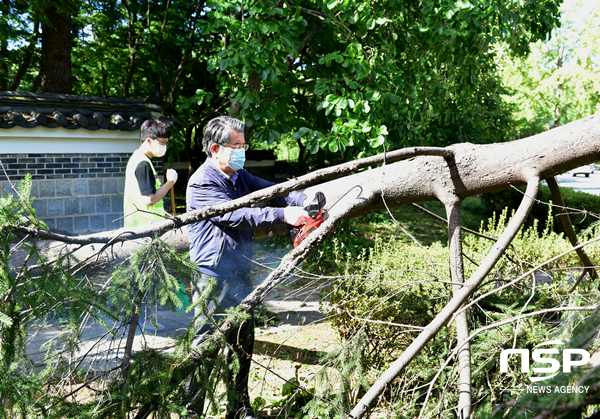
[(559, 81), (55, 67), (337, 76)]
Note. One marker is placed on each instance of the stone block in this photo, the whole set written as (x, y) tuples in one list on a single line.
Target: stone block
[(8, 189), (117, 203), (71, 206), (50, 222), (111, 186), (121, 184), (103, 204), (82, 224), (63, 188), (47, 188), (55, 207), (97, 223), (65, 224), (88, 205), (114, 221), (80, 187), (95, 187), (40, 207), (35, 188)]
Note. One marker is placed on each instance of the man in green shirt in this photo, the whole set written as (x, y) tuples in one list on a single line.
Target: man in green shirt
[(143, 196)]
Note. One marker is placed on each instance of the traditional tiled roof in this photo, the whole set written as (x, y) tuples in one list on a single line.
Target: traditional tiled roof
[(30, 110)]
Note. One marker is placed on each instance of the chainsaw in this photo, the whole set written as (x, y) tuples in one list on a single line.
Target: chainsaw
[(316, 216)]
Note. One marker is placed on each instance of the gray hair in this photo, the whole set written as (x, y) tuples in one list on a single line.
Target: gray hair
[(218, 131)]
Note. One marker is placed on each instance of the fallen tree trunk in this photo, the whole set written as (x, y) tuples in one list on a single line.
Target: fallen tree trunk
[(449, 175), (461, 170)]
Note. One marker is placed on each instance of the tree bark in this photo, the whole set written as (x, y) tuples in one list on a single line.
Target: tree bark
[(568, 226), (474, 169), (55, 68), (457, 275)]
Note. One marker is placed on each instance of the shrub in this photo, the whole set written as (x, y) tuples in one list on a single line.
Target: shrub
[(394, 283), (394, 286), (495, 202)]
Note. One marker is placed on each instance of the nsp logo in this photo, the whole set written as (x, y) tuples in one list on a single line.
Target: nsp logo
[(568, 360)]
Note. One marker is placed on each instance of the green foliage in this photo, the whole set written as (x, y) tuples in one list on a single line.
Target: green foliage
[(394, 283), (396, 286), (32, 295), (582, 206), (578, 331), (343, 381), (74, 375), (293, 398), (340, 78), (560, 81), (149, 276)]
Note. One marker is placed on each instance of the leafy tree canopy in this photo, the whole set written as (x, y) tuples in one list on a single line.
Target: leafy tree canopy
[(559, 82), (339, 76)]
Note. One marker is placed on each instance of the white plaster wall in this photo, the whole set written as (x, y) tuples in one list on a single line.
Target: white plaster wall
[(20, 140)]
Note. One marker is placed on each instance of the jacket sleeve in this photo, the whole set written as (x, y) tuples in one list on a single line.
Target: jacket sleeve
[(209, 193), (294, 198)]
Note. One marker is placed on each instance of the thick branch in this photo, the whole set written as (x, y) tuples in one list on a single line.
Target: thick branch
[(159, 228), (457, 273), (474, 169), (568, 226), (454, 304)]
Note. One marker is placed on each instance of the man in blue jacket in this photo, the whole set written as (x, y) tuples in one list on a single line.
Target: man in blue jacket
[(223, 247)]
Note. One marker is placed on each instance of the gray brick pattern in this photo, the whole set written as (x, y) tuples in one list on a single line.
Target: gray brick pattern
[(79, 193), (66, 166), (78, 205)]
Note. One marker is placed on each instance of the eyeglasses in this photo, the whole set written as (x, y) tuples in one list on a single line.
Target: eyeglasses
[(239, 146)]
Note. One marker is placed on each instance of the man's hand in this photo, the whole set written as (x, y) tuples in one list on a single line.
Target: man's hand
[(171, 175), (294, 215)]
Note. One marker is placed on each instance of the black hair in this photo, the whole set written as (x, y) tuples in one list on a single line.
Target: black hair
[(153, 129), (218, 131)]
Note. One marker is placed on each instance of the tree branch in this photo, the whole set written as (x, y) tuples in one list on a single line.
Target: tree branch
[(159, 228), (454, 304), (457, 273), (568, 226)]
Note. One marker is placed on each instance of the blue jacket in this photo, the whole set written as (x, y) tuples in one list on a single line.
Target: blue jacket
[(224, 246)]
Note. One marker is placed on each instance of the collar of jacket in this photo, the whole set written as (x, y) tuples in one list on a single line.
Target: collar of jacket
[(233, 177)]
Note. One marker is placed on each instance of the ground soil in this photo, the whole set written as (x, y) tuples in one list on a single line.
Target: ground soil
[(283, 354)]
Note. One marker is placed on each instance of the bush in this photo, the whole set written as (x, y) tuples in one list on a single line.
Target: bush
[(396, 285), (393, 283), (495, 202)]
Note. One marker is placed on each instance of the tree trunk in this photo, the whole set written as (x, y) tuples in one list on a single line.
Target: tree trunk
[(457, 274), (475, 169), (447, 174), (55, 69)]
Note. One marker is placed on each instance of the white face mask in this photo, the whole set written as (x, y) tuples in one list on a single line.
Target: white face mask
[(159, 150)]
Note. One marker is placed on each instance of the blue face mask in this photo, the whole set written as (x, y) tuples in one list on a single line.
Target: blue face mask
[(238, 157)]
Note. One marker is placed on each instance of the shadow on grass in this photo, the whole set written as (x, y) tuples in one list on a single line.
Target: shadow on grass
[(287, 353)]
